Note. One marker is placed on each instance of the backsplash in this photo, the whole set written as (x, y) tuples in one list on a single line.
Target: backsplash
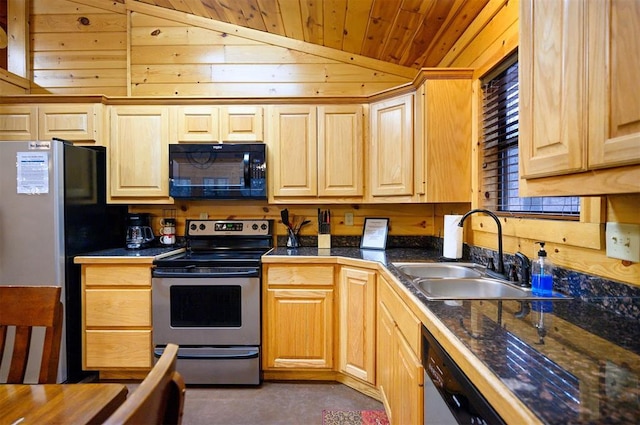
[(617, 297)]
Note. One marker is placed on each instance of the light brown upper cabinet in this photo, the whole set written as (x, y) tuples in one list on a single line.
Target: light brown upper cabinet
[(241, 123), (79, 123), (293, 151), (579, 97), (613, 45), (443, 133), (316, 152), (18, 122), (213, 124), (197, 123), (340, 151), (139, 154), (391, 150)]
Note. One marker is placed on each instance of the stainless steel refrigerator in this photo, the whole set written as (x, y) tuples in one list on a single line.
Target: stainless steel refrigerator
[(53, 208)]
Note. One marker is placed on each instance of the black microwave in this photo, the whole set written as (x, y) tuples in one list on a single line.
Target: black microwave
[(218, 171)]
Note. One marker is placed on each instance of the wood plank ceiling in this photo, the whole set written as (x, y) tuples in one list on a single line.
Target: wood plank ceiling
[(411, 33)]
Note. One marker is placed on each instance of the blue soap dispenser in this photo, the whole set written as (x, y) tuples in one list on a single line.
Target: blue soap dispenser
[(542, 274)]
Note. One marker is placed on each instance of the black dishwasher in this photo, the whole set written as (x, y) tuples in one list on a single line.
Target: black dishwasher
[(450, 397)]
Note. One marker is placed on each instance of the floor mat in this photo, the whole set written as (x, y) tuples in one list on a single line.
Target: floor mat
[(354, 417)]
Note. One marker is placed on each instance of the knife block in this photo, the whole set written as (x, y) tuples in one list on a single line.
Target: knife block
[(324, 241)]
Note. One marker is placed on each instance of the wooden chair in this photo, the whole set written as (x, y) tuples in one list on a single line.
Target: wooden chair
[(160, 397), (26, 307)]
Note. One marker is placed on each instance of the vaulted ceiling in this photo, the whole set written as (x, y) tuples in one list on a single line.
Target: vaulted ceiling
[(412, 33)]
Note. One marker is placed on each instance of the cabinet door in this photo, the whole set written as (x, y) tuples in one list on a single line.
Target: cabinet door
[(340, 151), (399, 369), (139, 157), (242, 124), (552, 132), (391, 148), (614, 91), (197, 124), (69, 122), (357, 313), (385, 347), (447, 140), (299, 329), (294, 153), (408, 384), (18, 122)]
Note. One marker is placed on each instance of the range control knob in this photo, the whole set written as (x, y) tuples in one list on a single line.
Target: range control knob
[(202, 226), (264, 226), (193, 226), (254, 227)]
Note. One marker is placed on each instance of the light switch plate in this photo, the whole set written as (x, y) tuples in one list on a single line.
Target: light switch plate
[(623, 241)]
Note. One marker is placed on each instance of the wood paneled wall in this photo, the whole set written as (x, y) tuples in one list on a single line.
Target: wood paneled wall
[(576, 246), (174, 59), (405, 219), (77, 49), (80, 49)]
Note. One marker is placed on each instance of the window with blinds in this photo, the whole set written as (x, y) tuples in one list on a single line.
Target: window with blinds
[(500, 152)]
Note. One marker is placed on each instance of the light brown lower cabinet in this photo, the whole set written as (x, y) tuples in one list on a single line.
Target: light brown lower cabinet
[(378, 336), (399, 369), (116, 319), (357, 341), (298, 321)]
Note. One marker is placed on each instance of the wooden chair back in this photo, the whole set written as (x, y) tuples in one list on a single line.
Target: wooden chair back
[(26, 307), (160, 397)]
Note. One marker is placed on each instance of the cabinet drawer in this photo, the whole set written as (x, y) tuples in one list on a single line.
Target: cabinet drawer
[(110, 275), (118, 349), (300, 275), (407, 322), (109, 308)]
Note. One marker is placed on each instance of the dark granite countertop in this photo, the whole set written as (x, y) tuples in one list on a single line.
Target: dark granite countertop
[(131, 253), (567, 361)]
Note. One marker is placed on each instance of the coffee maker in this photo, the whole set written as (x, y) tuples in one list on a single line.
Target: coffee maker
[(139, 232)]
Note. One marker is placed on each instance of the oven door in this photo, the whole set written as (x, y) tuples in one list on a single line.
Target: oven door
[(207, 311)]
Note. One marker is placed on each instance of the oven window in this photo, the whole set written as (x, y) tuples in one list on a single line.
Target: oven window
[(206, 306)]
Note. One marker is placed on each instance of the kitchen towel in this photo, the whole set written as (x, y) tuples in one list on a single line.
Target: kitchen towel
[(452, 246)]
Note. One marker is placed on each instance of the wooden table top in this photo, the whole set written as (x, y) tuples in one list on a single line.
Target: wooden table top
[(59, 403)]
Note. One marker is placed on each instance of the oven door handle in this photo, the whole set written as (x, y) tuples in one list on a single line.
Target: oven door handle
[(231, 353), (162, 273)]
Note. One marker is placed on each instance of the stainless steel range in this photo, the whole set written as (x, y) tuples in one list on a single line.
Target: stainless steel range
[(207, 300)]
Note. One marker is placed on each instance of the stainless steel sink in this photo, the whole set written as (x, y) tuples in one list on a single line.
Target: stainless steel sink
[(463, 281), (440, 270), (470, 289), (477, 289)]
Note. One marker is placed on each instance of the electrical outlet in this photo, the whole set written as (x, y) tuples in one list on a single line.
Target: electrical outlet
[(204, 216), (348, 219), (623, 241)]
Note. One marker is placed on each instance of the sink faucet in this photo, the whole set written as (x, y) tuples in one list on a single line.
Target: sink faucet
[(499, 272), (525, 267)]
